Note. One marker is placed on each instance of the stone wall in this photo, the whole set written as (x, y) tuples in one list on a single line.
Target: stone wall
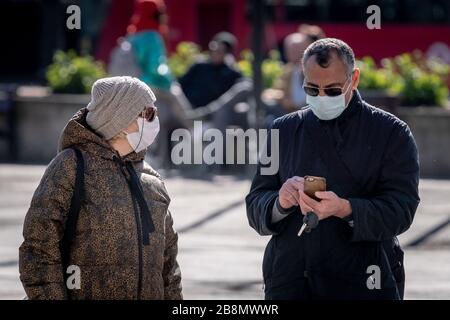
[(431, 129), (40, 122)]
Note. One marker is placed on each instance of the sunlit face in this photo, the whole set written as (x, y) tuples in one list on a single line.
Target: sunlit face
[(335, 75), (133, 127)]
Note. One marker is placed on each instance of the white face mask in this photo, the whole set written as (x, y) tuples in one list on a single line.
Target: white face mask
[(326, 107), (147, 133)]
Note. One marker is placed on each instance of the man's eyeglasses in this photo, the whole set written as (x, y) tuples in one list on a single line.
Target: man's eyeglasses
[(329, 91), (149, 113)]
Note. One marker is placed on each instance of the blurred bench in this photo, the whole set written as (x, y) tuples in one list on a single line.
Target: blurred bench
[(8, 120)]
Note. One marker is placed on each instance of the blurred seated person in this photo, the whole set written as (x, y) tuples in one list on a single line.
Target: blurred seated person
[(288, 91), (206, 81), (215, 87)]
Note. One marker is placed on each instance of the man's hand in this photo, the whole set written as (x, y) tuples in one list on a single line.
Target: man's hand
[(330, 205), (288, 196)]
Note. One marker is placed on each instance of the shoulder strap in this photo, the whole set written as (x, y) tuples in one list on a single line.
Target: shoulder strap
[(72, 216)]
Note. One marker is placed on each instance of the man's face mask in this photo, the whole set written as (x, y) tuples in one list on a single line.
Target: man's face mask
[(331, 105), (142, 139)]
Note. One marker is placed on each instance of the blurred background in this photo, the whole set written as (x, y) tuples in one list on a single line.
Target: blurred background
[(52, 52)]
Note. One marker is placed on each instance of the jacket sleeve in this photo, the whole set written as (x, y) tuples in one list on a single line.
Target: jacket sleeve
[(391, 210), (171, 272), (39, 255), (262, 196)]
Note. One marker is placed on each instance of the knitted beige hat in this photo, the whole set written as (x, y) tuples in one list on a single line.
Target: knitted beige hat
[(115, 103)]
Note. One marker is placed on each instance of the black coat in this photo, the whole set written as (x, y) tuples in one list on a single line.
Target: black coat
[(369, 157), (205, 82)]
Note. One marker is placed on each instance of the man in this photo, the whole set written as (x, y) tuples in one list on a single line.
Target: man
[(288, 94), (292, 96), (370, 162), (215, 87), (206, 81)]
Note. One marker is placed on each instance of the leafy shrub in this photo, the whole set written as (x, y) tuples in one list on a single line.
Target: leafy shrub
[(70, 73), (422, 80), (374, 78), (271, 68), (418, 80), (186, 54)]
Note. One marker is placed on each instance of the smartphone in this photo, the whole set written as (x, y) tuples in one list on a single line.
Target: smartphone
[(313, 184)]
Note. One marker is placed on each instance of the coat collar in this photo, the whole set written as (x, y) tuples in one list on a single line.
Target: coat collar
[(353, 107)]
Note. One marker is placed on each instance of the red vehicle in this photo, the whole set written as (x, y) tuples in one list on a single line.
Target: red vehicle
[(405, 25), (40, 25)]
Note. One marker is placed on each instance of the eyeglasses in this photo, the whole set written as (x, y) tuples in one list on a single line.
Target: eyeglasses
[(329, 91), (149, 113)]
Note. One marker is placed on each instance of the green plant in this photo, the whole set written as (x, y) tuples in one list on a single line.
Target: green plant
[(418, 80), (271, 68), (423, 81), (374, 78), (186, 54), (70, 73), (245, 63)]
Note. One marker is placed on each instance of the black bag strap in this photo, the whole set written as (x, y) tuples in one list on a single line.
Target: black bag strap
[(74, 210)]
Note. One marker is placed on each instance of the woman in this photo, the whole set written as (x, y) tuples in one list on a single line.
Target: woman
[(142, 52), (124, 243)]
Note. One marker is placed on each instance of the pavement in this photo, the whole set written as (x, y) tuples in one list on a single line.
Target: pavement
[(219, 254)]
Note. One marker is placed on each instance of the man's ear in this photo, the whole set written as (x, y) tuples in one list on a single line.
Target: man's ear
[(355, 78)]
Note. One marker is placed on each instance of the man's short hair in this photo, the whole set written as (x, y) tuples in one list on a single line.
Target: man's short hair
[(322, 50)]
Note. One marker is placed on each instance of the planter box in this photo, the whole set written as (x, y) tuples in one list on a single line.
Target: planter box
[(431, 129), (40, 121), (380, 99)]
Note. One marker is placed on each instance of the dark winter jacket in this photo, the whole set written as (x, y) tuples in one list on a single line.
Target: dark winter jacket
[(369, 157), (109, 247)]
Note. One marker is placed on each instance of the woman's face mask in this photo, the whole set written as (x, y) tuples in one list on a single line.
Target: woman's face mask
[(144, 137)]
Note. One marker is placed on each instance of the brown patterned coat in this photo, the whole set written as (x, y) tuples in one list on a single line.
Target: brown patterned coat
[(114, 263)]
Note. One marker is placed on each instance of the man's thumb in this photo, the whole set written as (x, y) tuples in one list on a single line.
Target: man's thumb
[(322, 194)]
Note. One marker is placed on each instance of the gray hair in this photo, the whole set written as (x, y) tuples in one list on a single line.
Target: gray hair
[(322, 50)]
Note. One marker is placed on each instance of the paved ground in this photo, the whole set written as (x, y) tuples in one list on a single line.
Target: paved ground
[(220, 255)]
